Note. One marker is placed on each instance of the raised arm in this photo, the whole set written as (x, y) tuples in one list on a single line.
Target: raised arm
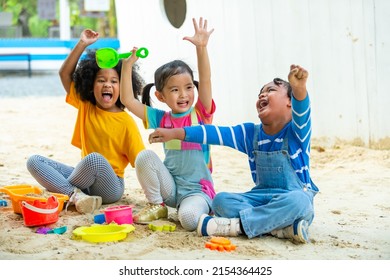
[(200, 40), (301, 113), (297, 79), (67, 69), (126, 87)]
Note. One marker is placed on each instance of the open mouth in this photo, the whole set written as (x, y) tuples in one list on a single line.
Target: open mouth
[(263, 103), (107, 96), (182, 103)]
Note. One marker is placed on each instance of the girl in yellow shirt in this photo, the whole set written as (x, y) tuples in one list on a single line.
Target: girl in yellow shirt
[(107, 136)]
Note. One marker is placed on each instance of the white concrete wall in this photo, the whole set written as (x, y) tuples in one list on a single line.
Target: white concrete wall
[(344, 44)]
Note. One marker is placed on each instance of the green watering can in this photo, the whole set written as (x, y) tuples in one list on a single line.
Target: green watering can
[(109, 57)]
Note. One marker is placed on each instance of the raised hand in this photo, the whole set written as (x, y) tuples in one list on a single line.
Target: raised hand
[(132, 58), (201, 37), (88, 36), (297, 79)]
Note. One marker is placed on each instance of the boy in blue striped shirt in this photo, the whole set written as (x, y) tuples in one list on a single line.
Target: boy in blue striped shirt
[(278, 149)]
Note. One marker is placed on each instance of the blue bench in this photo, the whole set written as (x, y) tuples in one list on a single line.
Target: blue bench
[(17, 57), (30, 49)]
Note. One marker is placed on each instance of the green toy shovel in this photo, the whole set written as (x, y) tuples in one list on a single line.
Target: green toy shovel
[(109, 57)]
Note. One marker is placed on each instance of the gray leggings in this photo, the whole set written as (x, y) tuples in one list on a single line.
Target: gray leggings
[(93, 175)]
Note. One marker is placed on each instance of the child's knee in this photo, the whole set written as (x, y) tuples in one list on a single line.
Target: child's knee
[(188, 219), (145, 157), (32, 162), (190, 211), (93, 157), (300, 201), (219, 203)]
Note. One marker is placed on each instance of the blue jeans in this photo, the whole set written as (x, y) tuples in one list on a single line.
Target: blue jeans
[(278, 199)]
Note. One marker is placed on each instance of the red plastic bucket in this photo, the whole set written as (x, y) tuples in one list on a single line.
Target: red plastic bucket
[(36, 213), (120, 214)]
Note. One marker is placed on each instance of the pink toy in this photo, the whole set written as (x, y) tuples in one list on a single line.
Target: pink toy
[(120, 214)]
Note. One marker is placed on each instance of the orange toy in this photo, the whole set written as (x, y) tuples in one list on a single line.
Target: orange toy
[(31, 193), (220, 244)]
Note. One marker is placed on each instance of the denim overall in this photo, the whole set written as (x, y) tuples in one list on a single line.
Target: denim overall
[(186, 163), (278, 199)]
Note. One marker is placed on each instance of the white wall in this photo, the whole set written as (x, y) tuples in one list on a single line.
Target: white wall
[(344, 44)]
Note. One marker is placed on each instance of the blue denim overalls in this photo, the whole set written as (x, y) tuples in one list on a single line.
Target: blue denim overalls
[(186, 163), (278, 199)]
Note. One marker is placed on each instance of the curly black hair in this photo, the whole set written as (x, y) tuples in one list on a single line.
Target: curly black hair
[(85, 74)]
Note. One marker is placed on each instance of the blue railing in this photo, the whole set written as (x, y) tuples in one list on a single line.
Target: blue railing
[(30, 49), (55, 43)]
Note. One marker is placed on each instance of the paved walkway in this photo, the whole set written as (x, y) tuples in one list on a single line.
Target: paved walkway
[(18, 84)]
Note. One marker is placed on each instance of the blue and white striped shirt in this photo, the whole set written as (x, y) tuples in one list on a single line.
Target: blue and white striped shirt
[(240, 137)]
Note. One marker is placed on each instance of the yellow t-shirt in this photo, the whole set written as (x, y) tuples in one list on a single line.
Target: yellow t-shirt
[(113, 135)]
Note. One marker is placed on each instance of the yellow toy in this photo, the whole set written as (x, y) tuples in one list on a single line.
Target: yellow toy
[(103, 233)]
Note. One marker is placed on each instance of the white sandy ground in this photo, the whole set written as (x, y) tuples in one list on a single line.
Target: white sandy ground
[(352, 220), (352, 208)]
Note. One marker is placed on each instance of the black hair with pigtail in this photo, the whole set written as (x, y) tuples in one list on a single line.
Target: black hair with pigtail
[(161, 76)]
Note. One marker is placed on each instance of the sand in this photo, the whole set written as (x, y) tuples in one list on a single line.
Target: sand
[(352, 208)]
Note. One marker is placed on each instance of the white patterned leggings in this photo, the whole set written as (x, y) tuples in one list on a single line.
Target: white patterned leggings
[(158, 185), (93, 175)]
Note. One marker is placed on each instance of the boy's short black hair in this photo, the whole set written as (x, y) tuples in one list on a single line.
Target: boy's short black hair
[(279, 82)]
